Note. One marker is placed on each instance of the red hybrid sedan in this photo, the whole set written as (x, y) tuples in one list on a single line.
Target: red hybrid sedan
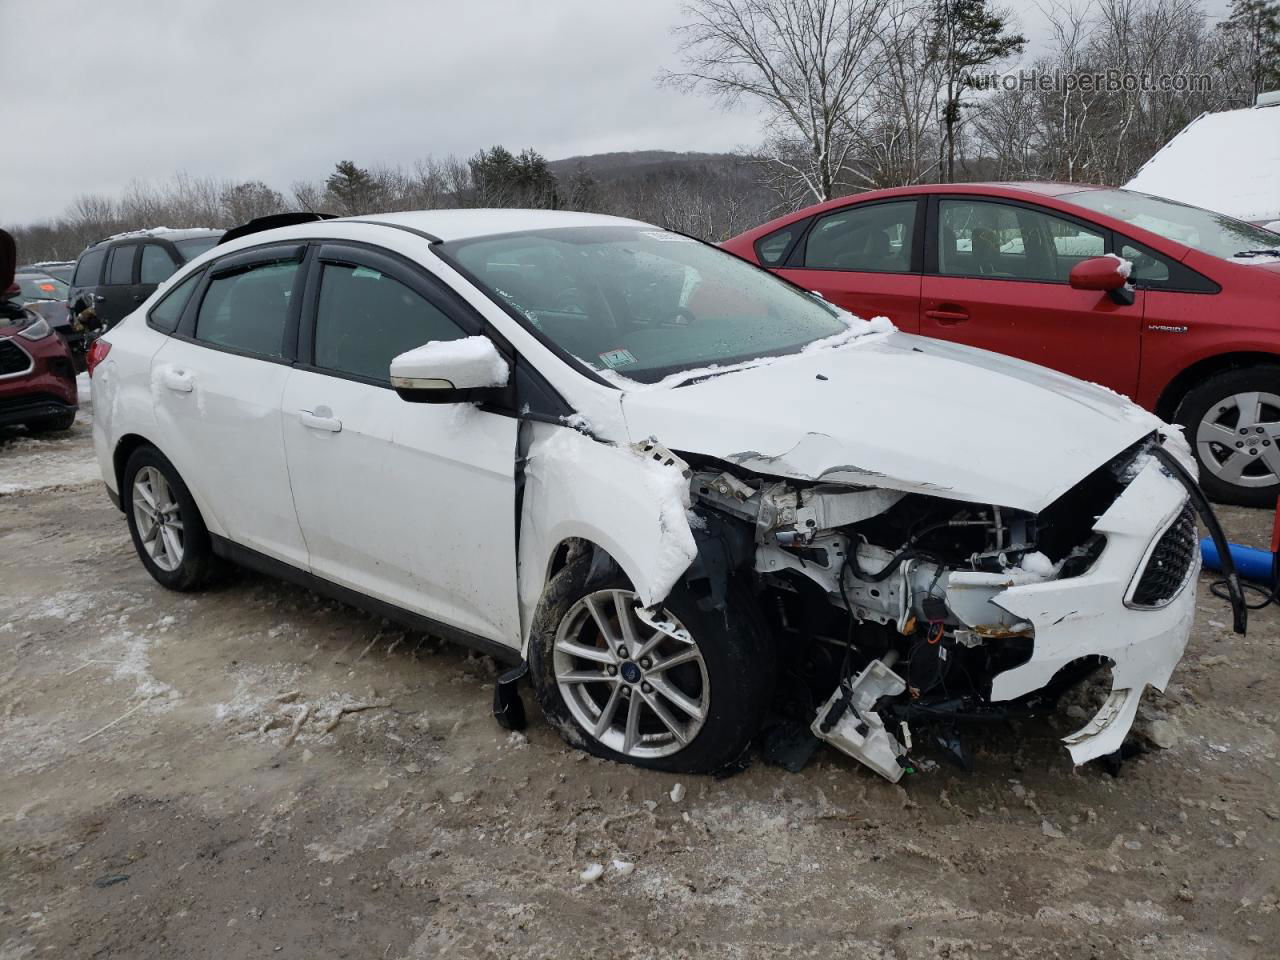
[(1171, 305)]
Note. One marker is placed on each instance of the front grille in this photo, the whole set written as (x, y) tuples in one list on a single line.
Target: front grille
[(13, 359), (1170, 561)]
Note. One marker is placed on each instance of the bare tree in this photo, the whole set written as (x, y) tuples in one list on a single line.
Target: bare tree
[(807, 63), (896, 136)]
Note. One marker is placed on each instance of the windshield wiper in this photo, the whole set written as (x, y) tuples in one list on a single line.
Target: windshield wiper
[(1273, 252)]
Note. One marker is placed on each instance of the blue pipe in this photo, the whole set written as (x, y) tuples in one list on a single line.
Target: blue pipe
[(1251, 563)]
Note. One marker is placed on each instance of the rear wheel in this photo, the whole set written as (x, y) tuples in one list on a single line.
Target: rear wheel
[(685, 696), (1233, 425), (165, 524)]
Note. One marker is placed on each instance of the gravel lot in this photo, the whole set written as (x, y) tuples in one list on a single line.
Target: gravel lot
[(179, 781)]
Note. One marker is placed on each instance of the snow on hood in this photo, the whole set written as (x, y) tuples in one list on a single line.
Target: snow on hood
[(904, 413)]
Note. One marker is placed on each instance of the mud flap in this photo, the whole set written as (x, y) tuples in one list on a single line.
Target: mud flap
[(508, 707)]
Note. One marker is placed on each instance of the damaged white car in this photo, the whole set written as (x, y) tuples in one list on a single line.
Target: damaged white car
[(691, 498)]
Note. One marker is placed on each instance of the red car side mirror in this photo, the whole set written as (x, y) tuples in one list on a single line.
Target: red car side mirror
[(1099, 273)]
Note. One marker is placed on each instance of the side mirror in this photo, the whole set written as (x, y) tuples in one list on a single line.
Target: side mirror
[(450, 371), (1109, 274)]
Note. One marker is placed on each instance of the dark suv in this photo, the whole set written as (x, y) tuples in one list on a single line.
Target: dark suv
[(114, 275)]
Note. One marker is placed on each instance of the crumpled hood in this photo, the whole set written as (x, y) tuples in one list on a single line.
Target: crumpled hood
[(900, 412)]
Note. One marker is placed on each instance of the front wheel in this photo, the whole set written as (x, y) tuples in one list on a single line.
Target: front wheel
[(1232, 421), (686, 696)]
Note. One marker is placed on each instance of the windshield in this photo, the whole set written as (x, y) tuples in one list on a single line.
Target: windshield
[(42, 288), (190, 249), (641, 301), (1206, 231)]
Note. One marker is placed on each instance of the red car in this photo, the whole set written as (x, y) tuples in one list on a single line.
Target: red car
[(1037, 271), (37, 377)]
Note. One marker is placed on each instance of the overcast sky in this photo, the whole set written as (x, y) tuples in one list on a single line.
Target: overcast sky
[(108, 91)]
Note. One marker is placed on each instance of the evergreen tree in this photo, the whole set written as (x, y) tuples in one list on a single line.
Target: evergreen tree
[(967, 34), (350, 189), (1253, 29), (583, 190), (501, 179)]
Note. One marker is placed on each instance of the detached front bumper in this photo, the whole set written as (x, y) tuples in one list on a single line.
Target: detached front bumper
[(1095, 614)]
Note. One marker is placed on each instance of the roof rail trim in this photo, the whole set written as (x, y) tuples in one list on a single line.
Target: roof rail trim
[(430, 237)]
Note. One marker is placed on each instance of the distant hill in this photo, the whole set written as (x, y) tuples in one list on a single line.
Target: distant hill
[(637, 163)]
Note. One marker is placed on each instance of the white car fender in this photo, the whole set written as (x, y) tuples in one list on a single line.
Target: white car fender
[(631, 501)]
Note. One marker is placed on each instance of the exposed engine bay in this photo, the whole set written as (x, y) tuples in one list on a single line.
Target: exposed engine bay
[(895, 610)]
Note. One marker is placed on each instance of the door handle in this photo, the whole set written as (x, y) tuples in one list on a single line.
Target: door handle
[(177, 381), (948, 318), (317, 422)]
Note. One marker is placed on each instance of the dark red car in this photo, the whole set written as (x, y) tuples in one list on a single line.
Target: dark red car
[(1034, 270), (37, 377)]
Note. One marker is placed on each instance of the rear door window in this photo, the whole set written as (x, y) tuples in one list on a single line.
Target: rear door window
[(120, 265), (248, 311), (157, 265), (89, 269)]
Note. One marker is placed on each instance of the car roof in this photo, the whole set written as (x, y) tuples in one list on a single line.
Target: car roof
[(161, 233), (466, 224)]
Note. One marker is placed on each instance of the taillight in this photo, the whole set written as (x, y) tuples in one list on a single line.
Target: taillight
[(98, 351)]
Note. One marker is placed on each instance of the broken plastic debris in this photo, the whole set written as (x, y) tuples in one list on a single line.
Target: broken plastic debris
[(593, 873), (1049, 830), (677, 793), (624, 868)]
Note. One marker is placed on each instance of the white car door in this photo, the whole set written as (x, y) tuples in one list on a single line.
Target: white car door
[(217, 384), (411, 503)]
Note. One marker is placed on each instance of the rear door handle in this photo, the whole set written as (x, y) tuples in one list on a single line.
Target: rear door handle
[(177, 381), (316, 421), (948, 317)]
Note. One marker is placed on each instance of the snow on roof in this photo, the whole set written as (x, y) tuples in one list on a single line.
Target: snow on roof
[(160, 231), (1228, 162), (465, 224)]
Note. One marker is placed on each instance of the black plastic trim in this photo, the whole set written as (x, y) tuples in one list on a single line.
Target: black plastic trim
[(1239, 609), (252, 559)]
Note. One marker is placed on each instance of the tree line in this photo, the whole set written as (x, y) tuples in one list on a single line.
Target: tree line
[(857, 94)]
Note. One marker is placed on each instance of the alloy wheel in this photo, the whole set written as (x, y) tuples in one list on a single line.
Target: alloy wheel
[(1239, 439), (642, 692), (158, 517)]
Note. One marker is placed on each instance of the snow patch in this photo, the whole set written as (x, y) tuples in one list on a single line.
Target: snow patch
[(1126, 266), (472, 362), (1040, 565)]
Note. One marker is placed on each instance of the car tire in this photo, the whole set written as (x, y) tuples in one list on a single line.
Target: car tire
[(176, 548), (727, 673), (63, 421), (1236, 467)]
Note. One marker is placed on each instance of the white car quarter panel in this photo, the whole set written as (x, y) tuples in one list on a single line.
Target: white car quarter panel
[(411, 503)]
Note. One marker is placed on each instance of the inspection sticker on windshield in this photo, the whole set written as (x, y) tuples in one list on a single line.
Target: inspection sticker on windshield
[(668, 237), (617, 358)]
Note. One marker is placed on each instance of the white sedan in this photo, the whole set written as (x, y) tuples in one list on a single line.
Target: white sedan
[(688, 495)]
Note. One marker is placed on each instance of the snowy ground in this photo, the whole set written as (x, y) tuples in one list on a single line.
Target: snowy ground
[(181, 780)]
